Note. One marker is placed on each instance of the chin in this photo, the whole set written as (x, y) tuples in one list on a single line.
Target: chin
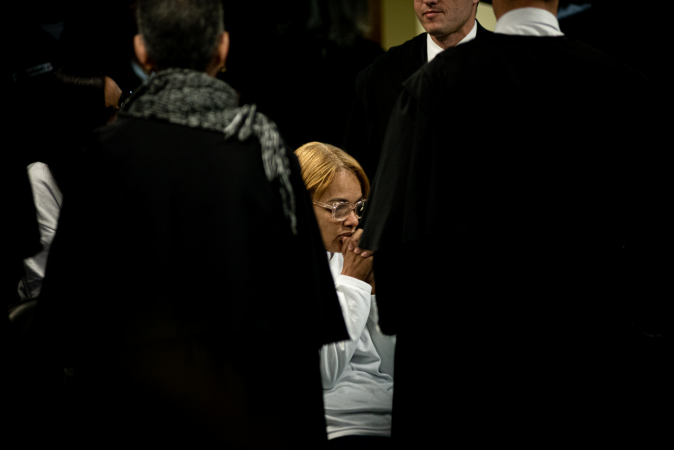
[(334, 248)]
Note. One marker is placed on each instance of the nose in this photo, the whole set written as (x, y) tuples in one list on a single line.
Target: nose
[(351, 220)]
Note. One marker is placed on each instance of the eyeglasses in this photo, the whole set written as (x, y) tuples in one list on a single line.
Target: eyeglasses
[(342, 210)]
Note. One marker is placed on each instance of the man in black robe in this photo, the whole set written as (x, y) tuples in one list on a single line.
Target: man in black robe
[(188, 293), (447, 24), (512, 267)]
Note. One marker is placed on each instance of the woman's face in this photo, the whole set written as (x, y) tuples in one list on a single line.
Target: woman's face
[(344, 188)]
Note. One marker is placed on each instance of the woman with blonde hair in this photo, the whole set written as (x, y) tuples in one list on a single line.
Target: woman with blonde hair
[(357, 374)]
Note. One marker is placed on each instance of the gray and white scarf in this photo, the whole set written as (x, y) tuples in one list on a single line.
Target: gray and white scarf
[(197, 100)]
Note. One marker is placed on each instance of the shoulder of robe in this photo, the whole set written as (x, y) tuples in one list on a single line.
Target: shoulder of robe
[(482, 32), (454, 70), (395, 63)]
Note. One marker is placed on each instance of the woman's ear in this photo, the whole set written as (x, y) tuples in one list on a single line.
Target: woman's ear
[(141, 51)]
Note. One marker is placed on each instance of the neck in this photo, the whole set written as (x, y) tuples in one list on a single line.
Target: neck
[(451, 40), (503, 6)]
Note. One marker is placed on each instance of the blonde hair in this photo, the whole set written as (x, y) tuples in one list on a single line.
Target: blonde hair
[(320, 162)]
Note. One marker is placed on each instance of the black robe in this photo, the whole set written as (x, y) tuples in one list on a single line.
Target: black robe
[(513, 257), (377, 88), (175, 288)]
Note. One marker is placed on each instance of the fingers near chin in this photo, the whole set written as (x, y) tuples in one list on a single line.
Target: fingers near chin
[(345, 244)]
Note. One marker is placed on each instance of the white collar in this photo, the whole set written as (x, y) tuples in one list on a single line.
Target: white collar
[(528, 22), (432, 49), (139, 71)]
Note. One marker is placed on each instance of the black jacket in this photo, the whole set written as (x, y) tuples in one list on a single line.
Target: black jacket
[(179, 293)]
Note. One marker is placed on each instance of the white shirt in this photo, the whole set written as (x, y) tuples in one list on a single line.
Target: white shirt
[(528, 22), (48, 199), (433, 49), (357, 374)]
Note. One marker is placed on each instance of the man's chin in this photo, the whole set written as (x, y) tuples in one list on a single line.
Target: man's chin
[(435, 31)]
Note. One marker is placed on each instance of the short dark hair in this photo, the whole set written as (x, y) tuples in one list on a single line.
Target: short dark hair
[(180, 33), (83, 81)]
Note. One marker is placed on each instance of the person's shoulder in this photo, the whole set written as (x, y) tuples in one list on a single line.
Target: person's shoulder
[(454, 74), (415, 45), (144, 134), (566, 55), (385, 63), (482, 32), (465, 61), (586, 53), (461, 60), (474, 60)]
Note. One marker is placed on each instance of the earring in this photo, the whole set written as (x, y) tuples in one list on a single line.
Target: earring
[(223, 69)]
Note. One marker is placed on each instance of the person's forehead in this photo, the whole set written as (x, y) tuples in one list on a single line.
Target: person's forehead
[(344, 186)]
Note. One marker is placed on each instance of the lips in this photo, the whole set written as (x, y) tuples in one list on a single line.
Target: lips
[(344, 236), (431, 13)]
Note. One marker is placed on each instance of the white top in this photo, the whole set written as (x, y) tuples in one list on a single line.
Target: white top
[(357, 375), (48, 199), (433, 49), (528, 22)]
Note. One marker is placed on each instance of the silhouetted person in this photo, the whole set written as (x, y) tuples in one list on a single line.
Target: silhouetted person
[(531, 245), (165, 293), (88, 100)]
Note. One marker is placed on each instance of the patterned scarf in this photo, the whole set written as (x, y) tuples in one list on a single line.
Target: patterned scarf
[(197, 100)]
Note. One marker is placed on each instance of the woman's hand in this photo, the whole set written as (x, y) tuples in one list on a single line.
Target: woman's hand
[(356, 263), (370, 280), (353, 244)]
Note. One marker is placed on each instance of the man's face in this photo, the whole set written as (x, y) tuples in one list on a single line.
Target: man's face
[(443, 17)]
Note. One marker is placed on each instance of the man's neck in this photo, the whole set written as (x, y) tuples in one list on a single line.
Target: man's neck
[(451, 40), (503, 6)]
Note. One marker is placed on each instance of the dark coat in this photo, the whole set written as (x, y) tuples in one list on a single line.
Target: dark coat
[(516, 253), (179, 294), (377, 88)]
